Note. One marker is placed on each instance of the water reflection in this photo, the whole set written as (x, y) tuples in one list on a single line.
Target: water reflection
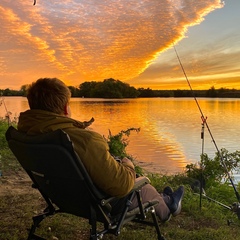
[(14, 105), (170, 135)]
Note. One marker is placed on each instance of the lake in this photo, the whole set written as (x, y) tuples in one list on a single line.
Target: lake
[(170, 128)]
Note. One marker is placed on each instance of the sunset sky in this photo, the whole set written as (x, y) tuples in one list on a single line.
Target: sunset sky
[(128, 40)]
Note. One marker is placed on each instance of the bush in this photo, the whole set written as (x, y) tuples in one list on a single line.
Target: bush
[(117, 146), (214, 170), (7, 159), (3, 129)]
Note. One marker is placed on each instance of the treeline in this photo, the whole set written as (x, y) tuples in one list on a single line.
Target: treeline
[(210, 93), (111, 88)]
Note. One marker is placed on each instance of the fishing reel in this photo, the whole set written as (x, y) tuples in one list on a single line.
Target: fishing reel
[(236, 209)]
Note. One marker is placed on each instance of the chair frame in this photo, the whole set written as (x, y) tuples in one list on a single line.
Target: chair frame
[(99, 204)]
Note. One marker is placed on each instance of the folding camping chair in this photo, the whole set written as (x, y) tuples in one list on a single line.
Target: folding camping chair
[(58, 173)]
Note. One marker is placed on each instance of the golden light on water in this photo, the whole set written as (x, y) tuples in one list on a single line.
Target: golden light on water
[(170, 129)]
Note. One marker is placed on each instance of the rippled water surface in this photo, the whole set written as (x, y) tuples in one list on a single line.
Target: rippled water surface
[(170, 135)]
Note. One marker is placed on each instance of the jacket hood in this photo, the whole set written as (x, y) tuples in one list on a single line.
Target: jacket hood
[(39, 121)]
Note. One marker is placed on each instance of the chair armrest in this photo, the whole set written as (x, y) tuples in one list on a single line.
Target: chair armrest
[(104, 202), (140, 182)]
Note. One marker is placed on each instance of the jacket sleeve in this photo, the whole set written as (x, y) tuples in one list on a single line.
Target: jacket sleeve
[(114, 178)]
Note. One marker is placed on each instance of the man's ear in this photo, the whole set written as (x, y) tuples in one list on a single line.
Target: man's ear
[(66, 110)]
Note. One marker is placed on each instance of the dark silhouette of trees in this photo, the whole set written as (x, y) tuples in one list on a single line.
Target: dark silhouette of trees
[(211, 92), (182, 93), (9, 92), (111, 88), (74, 91), (147, 92), (23, 89), (86, 89)]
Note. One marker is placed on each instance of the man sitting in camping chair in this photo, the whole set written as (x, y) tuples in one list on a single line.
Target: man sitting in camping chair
[(48, 99)]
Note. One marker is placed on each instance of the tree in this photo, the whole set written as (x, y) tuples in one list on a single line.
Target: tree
[(74, 91), (87, 88), (23, 89), (211, 92), (146, 92), (109, 88)]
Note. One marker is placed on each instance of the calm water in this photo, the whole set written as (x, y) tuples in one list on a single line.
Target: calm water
[(170, 135)]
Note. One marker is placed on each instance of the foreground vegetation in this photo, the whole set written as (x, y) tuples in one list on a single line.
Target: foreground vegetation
[(208, 221)]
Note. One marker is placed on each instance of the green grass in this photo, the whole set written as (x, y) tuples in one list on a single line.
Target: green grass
[(209, 222), (7, 160)]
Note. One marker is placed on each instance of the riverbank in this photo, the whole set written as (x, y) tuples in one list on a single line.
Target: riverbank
[(19, 202)]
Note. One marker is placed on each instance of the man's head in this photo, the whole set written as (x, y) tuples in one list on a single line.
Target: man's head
[(49, 94)]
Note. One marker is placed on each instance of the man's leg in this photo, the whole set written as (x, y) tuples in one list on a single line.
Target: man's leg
[(149, 193), (169, 201)]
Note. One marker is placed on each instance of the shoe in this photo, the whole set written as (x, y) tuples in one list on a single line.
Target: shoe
[(168, 191), (176, 204)]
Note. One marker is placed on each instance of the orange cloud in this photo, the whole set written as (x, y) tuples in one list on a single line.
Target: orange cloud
[(91, 40)]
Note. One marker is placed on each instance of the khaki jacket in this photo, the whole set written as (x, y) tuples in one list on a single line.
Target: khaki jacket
[(114, 178)]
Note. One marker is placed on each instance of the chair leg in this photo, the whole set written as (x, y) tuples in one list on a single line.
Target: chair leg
[(93, 232), (36, 222), (154, 217), (93, 236), (93, 223)]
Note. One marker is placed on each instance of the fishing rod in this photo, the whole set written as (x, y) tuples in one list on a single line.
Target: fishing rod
[(8, 113), (204, 122)]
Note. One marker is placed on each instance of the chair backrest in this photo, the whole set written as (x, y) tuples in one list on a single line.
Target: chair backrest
[(56, 170)]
